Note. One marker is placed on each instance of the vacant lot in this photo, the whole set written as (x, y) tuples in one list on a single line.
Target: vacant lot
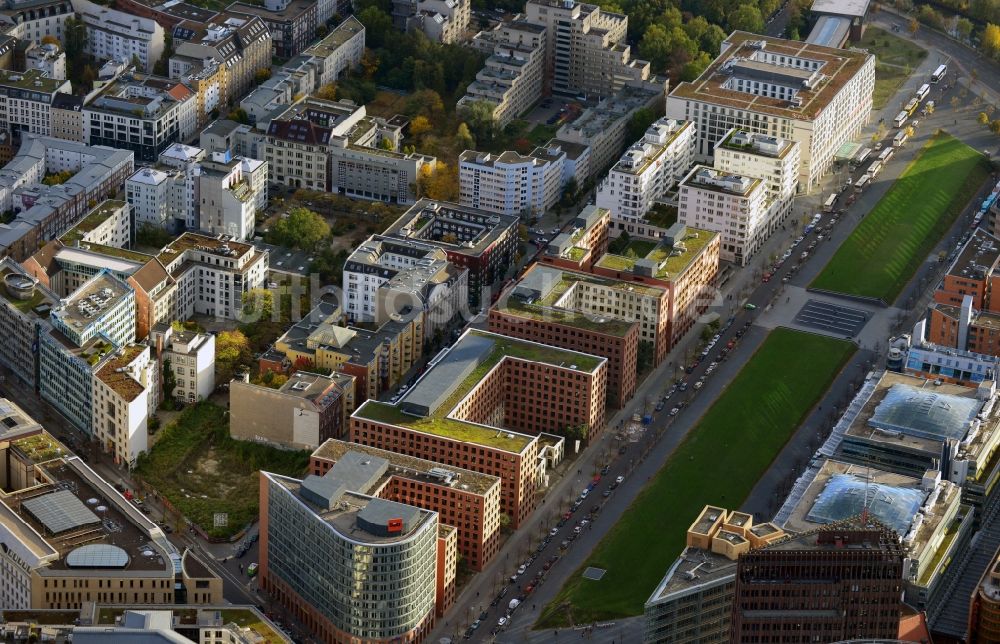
[(719, 463), (895, 57), (893, 239), (201, 470)]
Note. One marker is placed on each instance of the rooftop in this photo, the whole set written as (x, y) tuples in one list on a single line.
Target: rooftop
[(114, 373), (343, 32), (95, 218), (706, 178), (665, 261), (222, 246), (32, 80), (694, 569), (853, 8), (97, 295), (19, 427), (15, 281), (475, 230), (978, 258), (755, 143)]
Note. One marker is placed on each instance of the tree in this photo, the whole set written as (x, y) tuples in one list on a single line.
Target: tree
[(369, 64), (963, 27), (638, 123), (464, 137), (302, 228), (643, 356), (420, 126), (258, 304), (51, 40), (322, 31), (478, 116), (327, 92), (746, 17), (239, 115), (914, 26), (303, 363), (438, 181), (386, 144), (576, 433), (378, 26), (231, 350), (983, 118), (262, 75), (995, 126), (991, 40), (169, 380)]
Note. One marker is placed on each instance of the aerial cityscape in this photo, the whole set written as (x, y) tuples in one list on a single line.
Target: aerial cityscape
[(500, 321)]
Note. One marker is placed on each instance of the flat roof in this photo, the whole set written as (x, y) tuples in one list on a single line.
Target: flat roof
[(222, 246), (978, 258), (853, 8), (666, 262), (925, 413), (98, 294), (114, 374), (94, 218), (693, 570), (15, 423), (476, 230)]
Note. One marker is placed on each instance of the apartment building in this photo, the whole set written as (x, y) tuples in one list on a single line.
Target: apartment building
[(466, 500), (109, 224), (190, 357), (49, 211), (141, 113), (685, 262), (220, 56), (292, 23), (48, 58), (66, 117), (34, 21), (509, 183), (583, 244), (64, 551), (643, 175), (734, 206), (772, 160), (483, 242), (26, 101), (149, 192), (213, 273), (305, 412), (119, 35), (444, 21), (590, 314), (125, 395), (694, 601), (815, 96), (313, 531), (973, 273), (512, 78), (480, 406), (229, 197), (24, 310), (87, 328), (603, 128), (341, 50)]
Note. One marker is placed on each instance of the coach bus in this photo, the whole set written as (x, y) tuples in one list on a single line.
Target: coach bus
[(939, 73)]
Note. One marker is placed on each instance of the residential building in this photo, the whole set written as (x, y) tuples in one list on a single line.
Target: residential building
[(580, 247), (685, 262), (24, 311), (973, 273), (926, 513), (125, 396), (648, 169), (34, 21), (513, 75), (141, 113), (509, 183), (694, 601), (86, 329), (292, 23), (575, 158), (153, 195), (586, 51), (386, 275), (466, 500), (59, 556), (348, 565), (109, 224), (66, 117), (26, 101), (230, 194), (341, 50), (772, 160), (586, 313), (220, 55), (213, 273), (190, 357), (853, 568), (483, 242), (229, 136), (119, 35), (483, 391), (375, 357), (735, 206), (984, 611), (444, 21), (815, 96), (335, 147), (603, 128), (47, 58), (306, 411)]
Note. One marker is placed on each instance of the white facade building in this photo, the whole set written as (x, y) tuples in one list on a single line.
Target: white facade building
[(124, 398), (651, 166), (774, 161), (26, 100), (508, 183), (117, 35), (731, 205), (48, 59), (190, 356)]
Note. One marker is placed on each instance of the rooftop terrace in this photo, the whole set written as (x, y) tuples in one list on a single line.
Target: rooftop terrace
[(670, 261)]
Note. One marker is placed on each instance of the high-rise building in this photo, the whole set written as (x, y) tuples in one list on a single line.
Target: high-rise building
[(509, 183), (841, 581), (772, 160), (735, 206)]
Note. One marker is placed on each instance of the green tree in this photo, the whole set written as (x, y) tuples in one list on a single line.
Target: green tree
[(576, 433), (386, 144), (232, 349), (261, 75), (258, 303), (378, 26), (746, 17), (239, 115), (644, 356), (638, 123), (169, 380), (995, 126), (963, 27), (478, 116), (302, 228)]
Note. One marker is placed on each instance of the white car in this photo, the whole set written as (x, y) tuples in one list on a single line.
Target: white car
[(553, 532), (620, 479), (521, 569), (502, 621)]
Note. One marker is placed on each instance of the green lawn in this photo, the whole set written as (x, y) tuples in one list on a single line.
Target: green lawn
[(641, 247), (718, 463), (200, 470), (895, 58), (893, 239)]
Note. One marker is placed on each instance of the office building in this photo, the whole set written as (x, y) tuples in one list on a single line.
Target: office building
[(125, 396), (466, 500), (24, 311), (581, 246), (816, 96), (483, 392), (587, 313), (694, 601), (349, 565), (387, 277), (735, 206), (685, 262), (509, 183), (772, 160), (841, 581), (109, 224), (26, 101), (483, 242), (984, 611), (307, 410), (119, 35), (141, 113), (292, 23), (648, 169), (72, 539)]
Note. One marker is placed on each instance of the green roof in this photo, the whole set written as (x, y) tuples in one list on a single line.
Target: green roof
[(669, 266), (249, 619), (610, 325), (97, 216)]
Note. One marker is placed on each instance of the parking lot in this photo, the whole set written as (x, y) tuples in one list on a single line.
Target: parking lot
[(832, 318)]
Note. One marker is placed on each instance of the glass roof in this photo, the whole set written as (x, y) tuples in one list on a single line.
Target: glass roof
[(843, 497), (924, 413)]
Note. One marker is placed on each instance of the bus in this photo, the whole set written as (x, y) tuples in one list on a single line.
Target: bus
[(923, 91), (861, 156), (899, 139), (830, 201), (886, 155), (862, 181), (939, 73), (900, 119), (911, 106), (874, 169)]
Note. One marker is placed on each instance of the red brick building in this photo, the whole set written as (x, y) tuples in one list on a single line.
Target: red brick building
[(584, 244)]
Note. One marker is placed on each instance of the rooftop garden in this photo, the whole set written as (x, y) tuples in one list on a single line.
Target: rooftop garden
[(661, 215), (576, 253), (447, 427), (97, 351), (949, 536), (42, 617), (40, 447), (249, 619), (610, 325)]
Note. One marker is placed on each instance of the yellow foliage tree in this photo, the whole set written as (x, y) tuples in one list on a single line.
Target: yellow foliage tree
[(327, 92), (439, 182), (420, 126), (991, 40)]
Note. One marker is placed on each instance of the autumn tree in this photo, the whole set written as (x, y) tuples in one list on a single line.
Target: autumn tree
[(261, 75), (51, 40), (302, 228), (327, 92), (464, 137), (478, 116), (420, 126), (983, 118), (963, 27), (914, 25), (232, 349), (995, 126), (991, 40), (258, 304), (438, 181)]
